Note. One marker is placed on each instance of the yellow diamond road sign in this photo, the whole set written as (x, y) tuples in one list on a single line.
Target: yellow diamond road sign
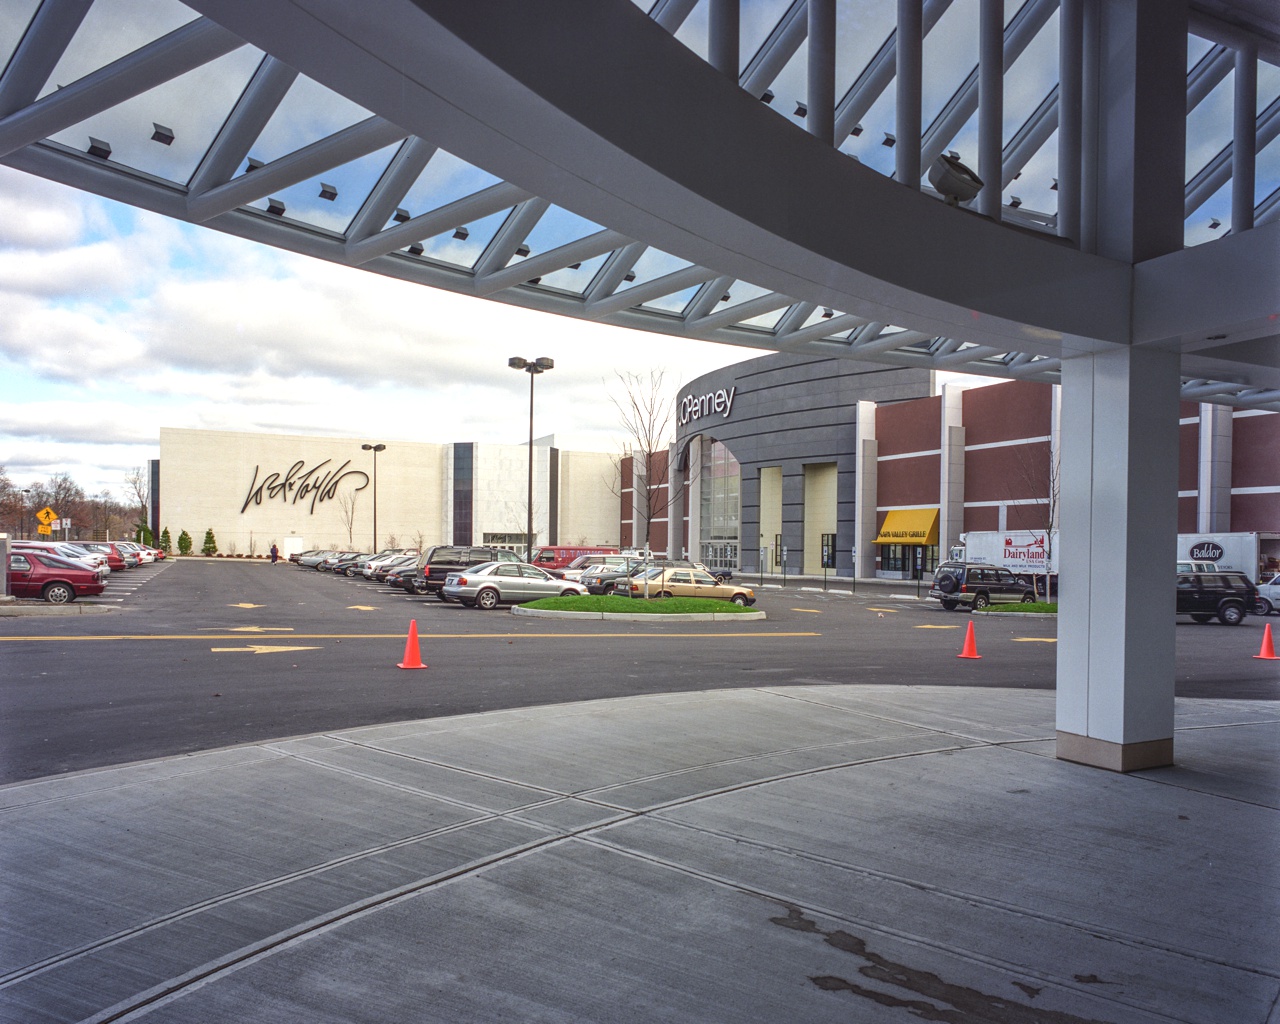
[(46, 515)]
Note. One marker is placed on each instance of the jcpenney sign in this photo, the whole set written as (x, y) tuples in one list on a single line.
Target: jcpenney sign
[(694, 407)]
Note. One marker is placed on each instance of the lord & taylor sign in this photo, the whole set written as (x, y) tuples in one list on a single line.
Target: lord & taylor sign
[(297, 484)]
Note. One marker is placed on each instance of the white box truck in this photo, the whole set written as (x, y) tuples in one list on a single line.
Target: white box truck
[(1257, 555)]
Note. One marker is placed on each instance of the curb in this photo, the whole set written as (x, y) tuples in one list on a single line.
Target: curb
[(544, 613), (15, 611)]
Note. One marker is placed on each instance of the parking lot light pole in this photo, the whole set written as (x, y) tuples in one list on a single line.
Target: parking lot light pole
[(26, 500), (375, 448), (532, 367)]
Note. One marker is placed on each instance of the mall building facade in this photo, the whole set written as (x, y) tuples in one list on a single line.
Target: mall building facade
[(805, 465), (301, 492)]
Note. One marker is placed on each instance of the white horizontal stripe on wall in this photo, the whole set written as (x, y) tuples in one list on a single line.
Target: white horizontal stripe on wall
[(1255, 490), (909, 455), (1188, 494), (1241, 413), (1186, 421), (903, 508), (1011, 501), (1007, 444)]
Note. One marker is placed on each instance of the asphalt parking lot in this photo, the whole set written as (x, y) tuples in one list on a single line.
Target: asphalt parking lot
[(199, 654)]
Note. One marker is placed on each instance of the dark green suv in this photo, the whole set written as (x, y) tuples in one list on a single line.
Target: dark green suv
[(976, 586), (1227, 595)]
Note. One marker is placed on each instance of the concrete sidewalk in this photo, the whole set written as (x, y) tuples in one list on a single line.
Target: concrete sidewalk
[(878, 854)]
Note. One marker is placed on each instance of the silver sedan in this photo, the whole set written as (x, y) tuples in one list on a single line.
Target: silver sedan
[(492, 583)]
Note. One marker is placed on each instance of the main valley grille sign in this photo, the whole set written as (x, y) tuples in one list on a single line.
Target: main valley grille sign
[(299, 485)]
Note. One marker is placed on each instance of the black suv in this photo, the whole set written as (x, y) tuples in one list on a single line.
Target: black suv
[(1228, 595), (439, 561), (976, 586)]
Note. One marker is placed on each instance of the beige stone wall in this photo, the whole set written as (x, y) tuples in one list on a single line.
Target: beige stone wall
[(207, 479), (589, 504), (820, 512)]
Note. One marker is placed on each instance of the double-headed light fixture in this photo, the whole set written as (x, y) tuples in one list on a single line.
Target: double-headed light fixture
[(532, 367)]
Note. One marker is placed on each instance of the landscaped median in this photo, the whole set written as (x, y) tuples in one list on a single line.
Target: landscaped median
[(609, 606), (1034, 608)]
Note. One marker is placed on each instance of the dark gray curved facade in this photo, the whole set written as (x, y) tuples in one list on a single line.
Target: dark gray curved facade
[(792, 424)]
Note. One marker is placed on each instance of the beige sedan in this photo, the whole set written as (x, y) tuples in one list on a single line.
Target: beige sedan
[(688, 583)]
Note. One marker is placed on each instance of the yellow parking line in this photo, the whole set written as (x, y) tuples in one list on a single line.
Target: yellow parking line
[(811, 611), (1034, 639), (935, 627), (396, 636), (893, 611)]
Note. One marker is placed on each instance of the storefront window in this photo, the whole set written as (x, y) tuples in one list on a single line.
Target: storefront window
[(911, 560), (721, 502)]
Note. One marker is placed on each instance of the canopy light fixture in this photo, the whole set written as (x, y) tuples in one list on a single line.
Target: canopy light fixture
[(100, 149), (856, 130), (522, 250), (1015, 202), (415, 249), (766, 96), (1054, 186), (801, 109), (252, 164), (630, 275), (534, 280), (328, 192), (401, 215), (275, 207), (1215, 224), (827, 312), (461, 234), (161, 134), (890, 140)]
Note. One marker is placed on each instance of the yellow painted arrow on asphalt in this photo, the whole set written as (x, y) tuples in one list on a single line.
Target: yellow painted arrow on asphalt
[(937, 627), (246, 606), (247, 629), (261, 649), (811, 611), (1034, 639)]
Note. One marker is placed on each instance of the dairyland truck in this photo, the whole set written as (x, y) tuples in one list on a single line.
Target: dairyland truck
[(1035, 552)]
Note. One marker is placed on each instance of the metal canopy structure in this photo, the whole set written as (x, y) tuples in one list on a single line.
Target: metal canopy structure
[(724, 170)]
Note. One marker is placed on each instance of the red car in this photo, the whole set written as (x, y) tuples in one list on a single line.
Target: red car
[(57, 580), (118, 559)]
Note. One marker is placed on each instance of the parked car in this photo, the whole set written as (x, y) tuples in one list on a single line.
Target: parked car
[(575, 569), (298, 555), (1229, 596), (561, 556), (438, 562), (95, 560), (117, 558), (687, 582), (378, 569), (58, 580), (350, 565), (312, 559), (975, 586), (1268, 597), (490, 584)]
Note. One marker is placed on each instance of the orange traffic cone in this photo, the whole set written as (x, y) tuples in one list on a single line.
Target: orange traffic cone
[(970, 647), (412, 659), (1268, 652)]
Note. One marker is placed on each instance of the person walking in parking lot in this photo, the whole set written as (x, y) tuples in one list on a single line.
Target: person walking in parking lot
[(275, 554)]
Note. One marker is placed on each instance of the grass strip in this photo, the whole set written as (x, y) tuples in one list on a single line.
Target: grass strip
[(1039, 607)]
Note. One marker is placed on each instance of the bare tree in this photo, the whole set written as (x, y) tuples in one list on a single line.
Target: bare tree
[(347, 513), (646, 412)]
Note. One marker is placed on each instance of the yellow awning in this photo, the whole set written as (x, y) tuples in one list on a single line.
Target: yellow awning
[(910, 526)]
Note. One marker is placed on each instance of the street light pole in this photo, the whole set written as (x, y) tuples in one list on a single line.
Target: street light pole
[(26, 500), (532, 367), (375, 448)]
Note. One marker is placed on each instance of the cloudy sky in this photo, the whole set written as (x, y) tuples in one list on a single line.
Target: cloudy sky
[(117, 322)]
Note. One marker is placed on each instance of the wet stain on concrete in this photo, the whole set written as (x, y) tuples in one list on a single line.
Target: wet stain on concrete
[(924, 994)]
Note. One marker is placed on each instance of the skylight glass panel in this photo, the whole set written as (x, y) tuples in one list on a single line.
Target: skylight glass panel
[(693, 33), (309, 112), (1212, 220), (15, 16), (465, 252), (862, 26), (950, 53), (445, 180), (756, 20), (1267, 171), (111, 30), (349, 183), (559, 227), (652, 264), (819, 315), (739, 292), (575, 279), (1197, 47), (869, 147), (1034, 185), (676, 302), (765, 321), (191, 108), (791, 85), (1209, 126), (1031, 79)]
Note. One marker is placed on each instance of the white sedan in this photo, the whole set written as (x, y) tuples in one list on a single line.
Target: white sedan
[(490, 584), (1268, 597)]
